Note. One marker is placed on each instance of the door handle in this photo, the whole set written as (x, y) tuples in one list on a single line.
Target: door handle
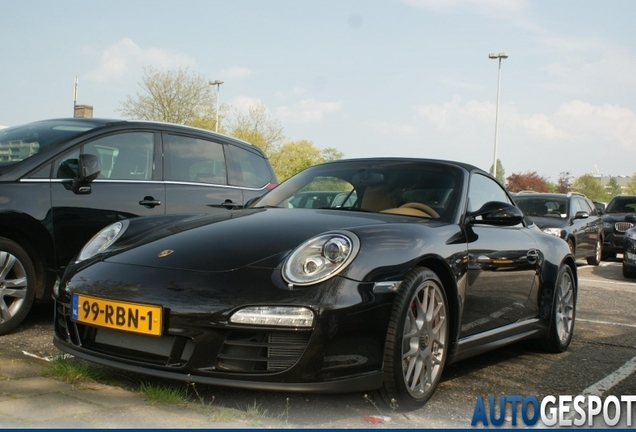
[(228, 204), (532, 256), (149, 202)]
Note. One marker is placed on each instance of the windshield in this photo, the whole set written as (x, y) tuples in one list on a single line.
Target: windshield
[(622, 205), (412, 188), (18, 143), (554, 207)]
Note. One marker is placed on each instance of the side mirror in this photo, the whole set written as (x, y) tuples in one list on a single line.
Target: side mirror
[(88, 169), (497, 213), (581, 215)]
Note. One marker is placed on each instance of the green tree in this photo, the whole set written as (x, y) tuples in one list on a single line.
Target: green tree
[(293, 157), (257, 127), (331, 154), (501, 173), (612, 188), (589, 186), (173, 96), (630, 188)]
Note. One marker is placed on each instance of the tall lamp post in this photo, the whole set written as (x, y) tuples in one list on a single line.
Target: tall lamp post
[(217, 83), (499, 56)]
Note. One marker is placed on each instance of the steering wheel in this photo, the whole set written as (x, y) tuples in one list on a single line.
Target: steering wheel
[(421, 207)]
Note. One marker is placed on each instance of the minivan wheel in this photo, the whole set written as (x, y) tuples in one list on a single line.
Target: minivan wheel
[(598, 252), (17, 285)]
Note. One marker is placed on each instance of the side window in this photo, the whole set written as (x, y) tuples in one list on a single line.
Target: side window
[(591, 207), (125, 156), (576, 207), (483, 189), (194, 160), (248, 169)]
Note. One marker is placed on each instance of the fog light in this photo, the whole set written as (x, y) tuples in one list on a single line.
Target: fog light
[(290, 316)]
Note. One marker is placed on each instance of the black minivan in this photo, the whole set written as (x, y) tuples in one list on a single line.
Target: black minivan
[(63, 180)]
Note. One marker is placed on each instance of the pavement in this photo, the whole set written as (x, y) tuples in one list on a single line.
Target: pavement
[(30, 397)]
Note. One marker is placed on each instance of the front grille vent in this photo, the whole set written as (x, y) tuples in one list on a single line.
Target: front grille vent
[(261, 351), (623, 226)]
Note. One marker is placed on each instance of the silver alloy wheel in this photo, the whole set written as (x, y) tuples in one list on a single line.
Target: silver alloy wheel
[(13, 286), (423, 341), (564, 311), (598, 251)]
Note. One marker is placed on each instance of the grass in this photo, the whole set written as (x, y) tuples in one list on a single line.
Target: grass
[(73, 370)]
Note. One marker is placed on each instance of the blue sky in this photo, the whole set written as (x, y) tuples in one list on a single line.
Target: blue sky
[(370, 78)]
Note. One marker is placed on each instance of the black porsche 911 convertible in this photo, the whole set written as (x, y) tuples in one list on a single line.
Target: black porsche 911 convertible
[(429, 262)]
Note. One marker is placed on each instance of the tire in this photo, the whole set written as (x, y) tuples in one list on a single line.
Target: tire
[(598, 253), (628, 273), (563, 312), (416, 342), (17, 285)]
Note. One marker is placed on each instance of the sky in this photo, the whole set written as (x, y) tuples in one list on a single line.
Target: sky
[(371, 78)]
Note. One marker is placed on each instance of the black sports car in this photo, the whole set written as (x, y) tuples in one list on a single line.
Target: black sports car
[(432, 263)]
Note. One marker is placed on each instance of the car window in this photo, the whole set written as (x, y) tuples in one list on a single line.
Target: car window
[(248, 169), (576, 207), (483, 189), (197, 160), (592, 207), (322, 193), (125, 156), (622, 205)]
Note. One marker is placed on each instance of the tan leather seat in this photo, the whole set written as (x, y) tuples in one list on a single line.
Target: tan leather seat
[(377, 198)]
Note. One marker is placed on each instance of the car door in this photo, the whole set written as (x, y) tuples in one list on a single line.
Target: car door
[(126, 187), (196, 176), (502, 265), (584, 244)]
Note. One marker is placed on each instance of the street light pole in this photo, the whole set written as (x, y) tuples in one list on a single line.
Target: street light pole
[(499, 56), (217, 83)]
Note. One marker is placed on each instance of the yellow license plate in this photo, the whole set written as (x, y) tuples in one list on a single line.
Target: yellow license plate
[(132, 317)]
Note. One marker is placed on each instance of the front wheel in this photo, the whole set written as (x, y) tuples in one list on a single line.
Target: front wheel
[(416, 342), (563, 312), (598, 252), (17, 285)]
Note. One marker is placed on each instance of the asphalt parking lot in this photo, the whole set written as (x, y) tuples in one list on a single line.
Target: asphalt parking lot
[(601, 361)]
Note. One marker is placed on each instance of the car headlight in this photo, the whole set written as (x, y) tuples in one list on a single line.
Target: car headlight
[(608, 226), (102, 240), (557, 232), (290, 316), (321, 258), (630, 234)]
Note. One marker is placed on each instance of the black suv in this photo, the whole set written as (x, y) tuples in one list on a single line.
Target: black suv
[(570, 216), (617, 218), (61, 181)]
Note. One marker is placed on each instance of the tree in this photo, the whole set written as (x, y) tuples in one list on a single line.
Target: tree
[(331, 154), (612, 188), (564, 183), (526, 181), (173, 96), (630, 189), (258, 128), (589, 186), (501, 173), (293, 157)]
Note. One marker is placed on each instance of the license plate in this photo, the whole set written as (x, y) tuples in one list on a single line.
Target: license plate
[(132, 317)]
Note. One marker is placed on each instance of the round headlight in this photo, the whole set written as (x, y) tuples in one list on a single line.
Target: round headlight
[(321, 258), (102, 240)]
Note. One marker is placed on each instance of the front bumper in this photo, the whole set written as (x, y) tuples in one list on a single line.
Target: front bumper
[(343, 352)]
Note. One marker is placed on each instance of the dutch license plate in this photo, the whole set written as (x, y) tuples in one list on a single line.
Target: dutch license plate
[(132, 317)]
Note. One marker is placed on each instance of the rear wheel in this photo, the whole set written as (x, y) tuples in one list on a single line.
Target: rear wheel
[(17, 285), (598, 252), (417, 341), (563, 312)]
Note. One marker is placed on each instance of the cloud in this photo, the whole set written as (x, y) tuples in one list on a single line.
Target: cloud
[(126, 58), (307, 111), (236, 72), (243, 103)]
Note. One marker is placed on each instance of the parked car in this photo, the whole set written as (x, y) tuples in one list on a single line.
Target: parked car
[(61, 181), (629, 251), (571, 216), (616, 221), (378, 295)]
